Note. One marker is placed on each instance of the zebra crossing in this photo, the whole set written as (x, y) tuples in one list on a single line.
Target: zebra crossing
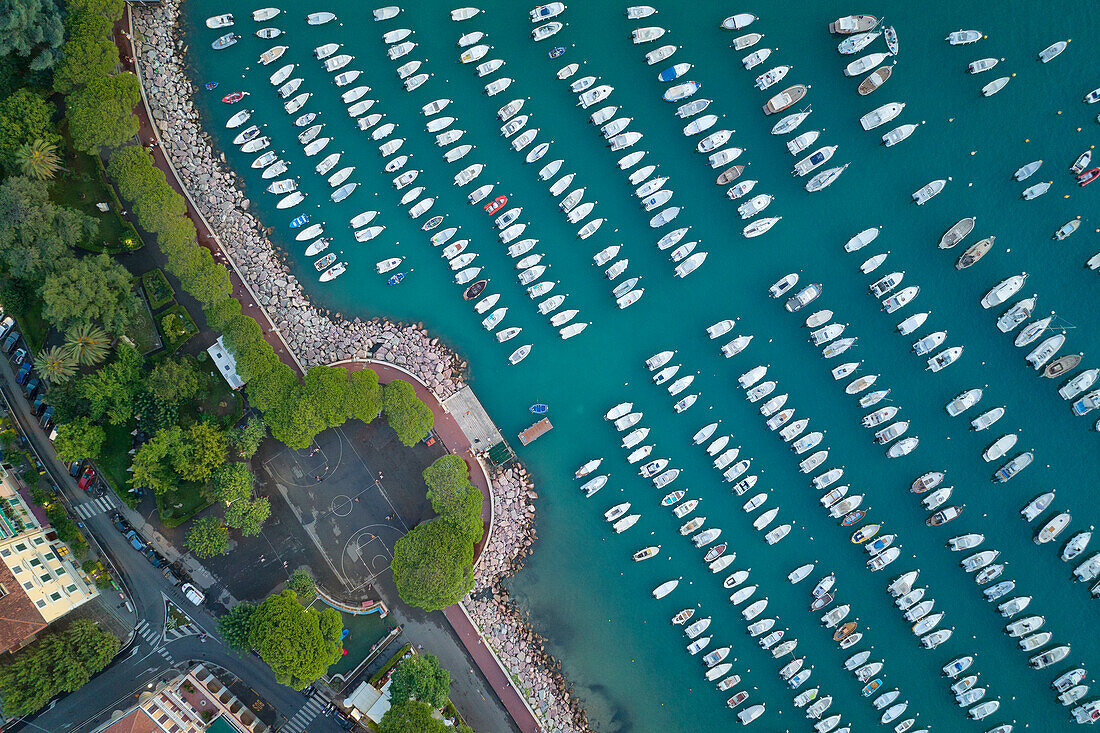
[(304, 716), (151, 635), (96, 506)]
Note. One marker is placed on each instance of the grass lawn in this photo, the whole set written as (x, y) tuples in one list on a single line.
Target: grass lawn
[(34, 328), (176, 507), (176, 327), (115, 460), (157, 289), (215, 398), (144, 331), (85, 186)]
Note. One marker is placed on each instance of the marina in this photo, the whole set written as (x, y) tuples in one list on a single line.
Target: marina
[(800, 234)]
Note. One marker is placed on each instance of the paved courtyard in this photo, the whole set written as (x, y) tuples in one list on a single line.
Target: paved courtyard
[(356, 491)]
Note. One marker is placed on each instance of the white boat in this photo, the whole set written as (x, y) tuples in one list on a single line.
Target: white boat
[(813, 161), (864, 64), (899, 133), (550, 10), (825, 178), (1003, 291), (665, 588), (1052, 51), (738, 21), (760, 226), (995, 86), (881, 115), (1032, 192), (546, 30), (347, 77), (460, 14), (395, 36), (928, 191), (658, 55)]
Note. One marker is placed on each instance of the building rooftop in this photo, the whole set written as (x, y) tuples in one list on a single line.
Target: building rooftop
[(225, 363), (20, 621), (137, 721)]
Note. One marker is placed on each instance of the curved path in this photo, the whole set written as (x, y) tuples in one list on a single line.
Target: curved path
[(446, 427)]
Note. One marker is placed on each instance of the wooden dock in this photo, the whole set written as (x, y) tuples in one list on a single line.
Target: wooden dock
[(536, 431)]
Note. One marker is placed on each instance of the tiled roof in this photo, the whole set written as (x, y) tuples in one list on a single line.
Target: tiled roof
[(19, 619), (137, 721)]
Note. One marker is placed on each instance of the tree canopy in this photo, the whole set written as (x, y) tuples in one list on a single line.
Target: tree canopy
[(174, 456), (298, 644), (207, 537), (101, 113), (31, 29), (90, 290), (36, 235), (80, 438), (24, 118), (246, 439), (111, 390), (421, 678), (174, 380), (89, 51), (235, 625), (433, 565), (248, 515), (415, 717), (232, 481), (58, 662), (410, 418), (364, 395)]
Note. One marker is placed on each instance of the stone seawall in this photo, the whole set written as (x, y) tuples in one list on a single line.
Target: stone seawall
[(316, 336)]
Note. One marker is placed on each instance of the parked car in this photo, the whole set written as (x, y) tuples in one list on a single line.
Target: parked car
[(23, 373), (6, 325), (120, 524), (11, 341), (155, 558), (75, 466), (47, 417), (135, 541), (39, 403), (86, 478), (170, 576), (341, 721), (20, 356), (193, 594), (32, 387)]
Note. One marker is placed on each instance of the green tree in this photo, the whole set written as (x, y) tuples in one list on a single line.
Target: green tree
[(133, 171), (58, 662), (246, 439), (200, 452), (151, 465), (235, 625), (433, 565), (89, 51), (80, 438), (421, 678), (152, 413), (222, 312), (299, 644), (31, 29), (295, 422), (410, 418), (38, 159), (101, 114), (93, 289), (302, 583), (415, 717), (248, 515), (325, 388), (232, 482), (363, 395), (174, 380), (111, 390), (88, 343), (55, 365), (36, 235), (24, 118), (207, 538)]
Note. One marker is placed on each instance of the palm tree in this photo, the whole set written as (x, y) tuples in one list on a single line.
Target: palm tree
[(55, 364), (87, 343), (38, 159)]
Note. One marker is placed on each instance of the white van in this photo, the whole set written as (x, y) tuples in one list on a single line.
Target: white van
[(193, 594)]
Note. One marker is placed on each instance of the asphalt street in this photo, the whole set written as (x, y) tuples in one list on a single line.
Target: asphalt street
[(148, 656)]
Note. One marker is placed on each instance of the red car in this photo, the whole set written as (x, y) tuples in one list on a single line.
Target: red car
[(496, 204), (86, 479)]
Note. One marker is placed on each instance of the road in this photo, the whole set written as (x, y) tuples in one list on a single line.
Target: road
[(149, 656)]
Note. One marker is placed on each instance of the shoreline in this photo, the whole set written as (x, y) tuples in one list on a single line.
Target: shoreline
[(313, 336)]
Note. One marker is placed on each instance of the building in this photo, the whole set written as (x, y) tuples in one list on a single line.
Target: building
[(190, 703), (225, 363), (36, 563)]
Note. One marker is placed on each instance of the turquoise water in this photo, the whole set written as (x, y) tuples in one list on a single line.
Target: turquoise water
[(581, 588)]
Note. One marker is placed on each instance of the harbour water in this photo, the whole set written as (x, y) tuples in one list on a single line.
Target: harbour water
[(584, 593)]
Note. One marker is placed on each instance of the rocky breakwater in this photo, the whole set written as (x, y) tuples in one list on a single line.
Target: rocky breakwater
[(313, 334), (506, 628)]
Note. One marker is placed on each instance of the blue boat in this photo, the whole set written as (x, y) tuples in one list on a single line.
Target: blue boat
[(556, 51), (540, 409), (211, 85), (432, 223), (674, 72), (303, 219), (396, 279)]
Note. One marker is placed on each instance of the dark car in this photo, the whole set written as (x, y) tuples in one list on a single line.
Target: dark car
[(86, 478), (341, 721), (170, 576), (32, 387), (19, 357), (24, 372), (75, 466), (121, 524), (11, 341), (155, 558), (38, 403), (47, 417)]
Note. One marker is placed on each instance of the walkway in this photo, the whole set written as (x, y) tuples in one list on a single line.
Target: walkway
[(149, 136), (446, 427)]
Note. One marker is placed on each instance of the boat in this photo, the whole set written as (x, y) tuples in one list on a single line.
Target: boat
[(658, 55), (790, 122), (1067, 229), (1053, 528), (647, 34), (333, 272), (1032, 192), (664, 589), (865, 63), (974, 253), (1048, 657), (460, 14), (738, 21), (1079, 384), (856, 43), (770, 78), (1052, 51), (849, 24), (681, 91), (957, 232), (264, 14), (220, 21), (814, 160), (900, 299), (944, 516), (928, 191), (1076, 545), (226, 41), (1045, 350), (881, 115), (874, 80), (1003, 291), (646, 553), (785, 99)]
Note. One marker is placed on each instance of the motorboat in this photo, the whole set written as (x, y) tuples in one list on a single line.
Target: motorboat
[(825, 178), (1003, 291), (814, 160), (864, 63), (1042, 353), (1032, 192), (1053, 528), (944, 516), (664, 589), (974, 253), (1048, 657), (226, 41), (647, 34), (961, 37), (1078, 384), (771, 78), (785, 99), (790, 122), (658, 55), (999, 448), (1076, 545), (928, 191), (1052, 51), (900, 299), (881, 115), (681, 91), (874, 80)]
